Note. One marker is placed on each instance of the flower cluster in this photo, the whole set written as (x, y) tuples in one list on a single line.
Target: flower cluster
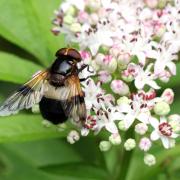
[(132, 46)]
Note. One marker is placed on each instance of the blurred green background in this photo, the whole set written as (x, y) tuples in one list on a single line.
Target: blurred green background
[(29, 151)]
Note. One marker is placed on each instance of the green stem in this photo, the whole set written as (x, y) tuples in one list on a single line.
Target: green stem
[(125, 158)]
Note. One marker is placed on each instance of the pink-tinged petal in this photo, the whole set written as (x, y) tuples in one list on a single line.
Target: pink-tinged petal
[(154, 122), (172, 67), (144, 117), (154, 136), (159, 67), (166, 142), (128, 120), (111, 127), (153, 84)]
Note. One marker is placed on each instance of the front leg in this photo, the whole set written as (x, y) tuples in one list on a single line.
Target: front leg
[(83, 67)]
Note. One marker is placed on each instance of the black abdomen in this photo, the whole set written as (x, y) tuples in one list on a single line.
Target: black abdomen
[(52, 111)]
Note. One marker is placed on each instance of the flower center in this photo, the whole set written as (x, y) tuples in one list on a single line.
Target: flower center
[(165, 129), (90, 122)]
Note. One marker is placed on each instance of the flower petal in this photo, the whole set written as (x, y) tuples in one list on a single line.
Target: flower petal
[(111, 127), (128, 120), (144, 117), (154, 122), (166, 142), (153, 84), (154, 135)]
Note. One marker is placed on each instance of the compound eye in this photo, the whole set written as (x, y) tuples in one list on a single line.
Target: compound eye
[(72, 53)]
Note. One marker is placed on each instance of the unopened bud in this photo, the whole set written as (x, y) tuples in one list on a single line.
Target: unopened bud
[(123, 60), (119, 87), (123, 100), (149, 159), (122, 126), (82, 16), (162, 108), (94, 18), (174, 121), (71, 11), (75, 27), (145, 144), (168, 96), (141, 128), (104, 76), (68, 19), (73, 136), (115, 139), (104, 145), (109, 63), (99, 58), (130, 144)]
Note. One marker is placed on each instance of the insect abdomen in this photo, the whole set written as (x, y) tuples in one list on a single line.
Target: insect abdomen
[(51, 110)]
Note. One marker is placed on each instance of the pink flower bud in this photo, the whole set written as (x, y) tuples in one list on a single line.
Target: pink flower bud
[(82, 16), (145, 144), (168, 96), (104, 76), (99, 58), (115, 50), (109, 63), (86, 57), (164, 76), (119, 87), (94, 18)]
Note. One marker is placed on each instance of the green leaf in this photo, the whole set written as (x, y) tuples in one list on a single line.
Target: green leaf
[(26, 127), (14, 166), (47, 152), (27, 24), (78, 170), (15, 69)]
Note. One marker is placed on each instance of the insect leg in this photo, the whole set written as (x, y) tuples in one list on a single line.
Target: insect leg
[(83, 67)]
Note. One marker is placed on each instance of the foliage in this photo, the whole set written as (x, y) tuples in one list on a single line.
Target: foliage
[(27, 45)]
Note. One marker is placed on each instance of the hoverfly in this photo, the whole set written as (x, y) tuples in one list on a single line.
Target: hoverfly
[(57, 90)]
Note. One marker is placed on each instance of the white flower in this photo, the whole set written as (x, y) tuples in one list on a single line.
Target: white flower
[(143, 77), (163, 130), (106, 117), (136, 109), (93, 93), (94, 38), (164, 59)]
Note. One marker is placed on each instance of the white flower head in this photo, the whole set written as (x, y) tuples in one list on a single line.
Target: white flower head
[(164, 131)]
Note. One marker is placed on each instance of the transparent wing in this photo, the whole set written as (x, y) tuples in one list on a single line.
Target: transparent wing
[(26, 96), (72, 99)]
